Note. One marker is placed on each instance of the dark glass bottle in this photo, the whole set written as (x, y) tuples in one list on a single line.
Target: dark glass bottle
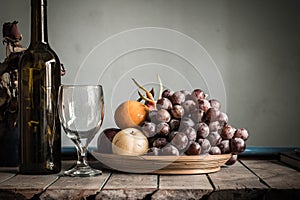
[(39, 80)]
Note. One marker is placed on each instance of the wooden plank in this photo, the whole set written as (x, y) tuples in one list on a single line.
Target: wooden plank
[(283, 180), (275, 174), (75, 187), (291, 158), (24, 190), (128, 186), (25, 186), (236, 182), (183, 187), (5, 176), (235, 177), (7, 172)]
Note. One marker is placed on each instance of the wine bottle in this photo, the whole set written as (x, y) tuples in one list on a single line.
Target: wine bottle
[(39, 80)]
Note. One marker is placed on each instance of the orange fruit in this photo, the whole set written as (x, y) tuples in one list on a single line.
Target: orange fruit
[(130, 114)]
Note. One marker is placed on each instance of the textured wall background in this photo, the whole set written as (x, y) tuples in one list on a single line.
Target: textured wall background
[(250, 60)]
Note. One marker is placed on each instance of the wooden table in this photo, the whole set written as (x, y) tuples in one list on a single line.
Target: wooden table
[(246, 179)]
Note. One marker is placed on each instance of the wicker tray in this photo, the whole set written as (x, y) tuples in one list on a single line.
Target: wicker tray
[(163, 164)]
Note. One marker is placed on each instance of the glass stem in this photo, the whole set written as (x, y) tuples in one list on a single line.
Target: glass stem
[(82, 152)]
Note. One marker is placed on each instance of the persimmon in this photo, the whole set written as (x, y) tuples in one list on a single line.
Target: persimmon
[(130, 114)]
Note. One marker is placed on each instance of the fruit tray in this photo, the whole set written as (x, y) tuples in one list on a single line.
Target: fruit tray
[(163, 164)]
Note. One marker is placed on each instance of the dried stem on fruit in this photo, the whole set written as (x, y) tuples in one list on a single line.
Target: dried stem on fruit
[(142, 97), (148, 94), (149, 98)]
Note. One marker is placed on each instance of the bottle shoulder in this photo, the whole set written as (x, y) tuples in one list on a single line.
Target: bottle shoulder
[(39, 52)]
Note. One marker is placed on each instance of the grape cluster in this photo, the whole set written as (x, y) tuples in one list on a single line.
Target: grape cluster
[(187, 123)]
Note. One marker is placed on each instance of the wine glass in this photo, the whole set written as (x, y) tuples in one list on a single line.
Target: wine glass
[(81, 112)]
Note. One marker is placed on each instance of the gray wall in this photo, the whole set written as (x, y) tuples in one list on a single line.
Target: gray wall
[(245, 53)]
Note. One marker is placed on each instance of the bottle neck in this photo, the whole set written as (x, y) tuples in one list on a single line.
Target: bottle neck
[(39, 21)]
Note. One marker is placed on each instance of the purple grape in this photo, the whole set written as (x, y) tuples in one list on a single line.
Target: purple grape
[(149, 129), (241, 133), (202, 130), (204, 104), (172, 135), (180, 141), (197, 115), (174, 124), (189, 106), (160, 142), (237, 145), (232, 159), (153, 151), (177, 98), (151, 116), (186, 122), (223, 119), (167, 93), (190, 133), (163, 129), (198, 94), (214, 138), (215, 150), (214, 126), (177, 111), (151, 140), (224, 146), (164, 103), (163, 116), (194, 148), (227, 132), (205, 145), (211, 115), (169, 150)]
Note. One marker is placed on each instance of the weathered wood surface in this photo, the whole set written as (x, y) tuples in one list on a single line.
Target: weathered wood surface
[(7, 172), (182, 187), (75, 187), (236, 182), (247, 179), (284, 182), (128, 186), (275, 174), (5, 175), (25, 186)]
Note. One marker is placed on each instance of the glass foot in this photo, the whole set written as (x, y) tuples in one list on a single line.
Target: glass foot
[(83, 171)]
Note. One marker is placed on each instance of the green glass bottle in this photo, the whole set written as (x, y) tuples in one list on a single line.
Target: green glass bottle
[(39, 80)]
